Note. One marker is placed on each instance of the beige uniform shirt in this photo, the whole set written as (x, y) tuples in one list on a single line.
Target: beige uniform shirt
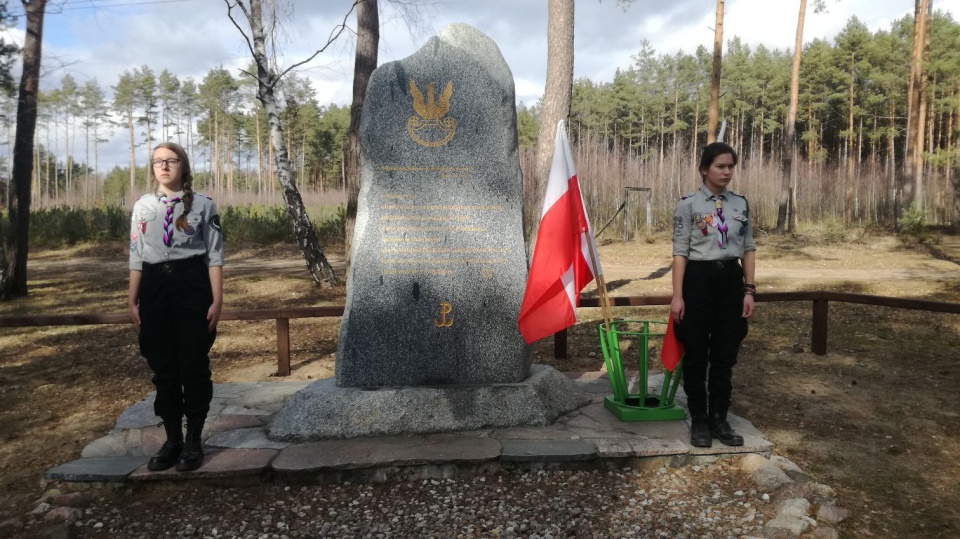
[(706, 230), (201, 237)]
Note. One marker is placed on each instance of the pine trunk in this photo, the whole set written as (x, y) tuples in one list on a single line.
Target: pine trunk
[(910, 185), (556, 102), (365, 62), (15, 245), (713, 113)]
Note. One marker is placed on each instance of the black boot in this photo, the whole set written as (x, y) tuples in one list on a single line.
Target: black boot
[(192, 456), (721, 430), (171, 448), (700, 432)]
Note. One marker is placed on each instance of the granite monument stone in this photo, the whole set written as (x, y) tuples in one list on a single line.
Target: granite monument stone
[(438, 257)]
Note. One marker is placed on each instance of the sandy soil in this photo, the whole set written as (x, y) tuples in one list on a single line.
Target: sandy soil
[(876, 417)]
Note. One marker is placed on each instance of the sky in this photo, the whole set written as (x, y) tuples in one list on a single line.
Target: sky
[(102, 38)]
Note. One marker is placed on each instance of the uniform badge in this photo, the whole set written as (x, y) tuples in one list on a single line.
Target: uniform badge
[(677, 225), (143, 227), (701, 223), (190, 231), (741, 218), (215, 222)]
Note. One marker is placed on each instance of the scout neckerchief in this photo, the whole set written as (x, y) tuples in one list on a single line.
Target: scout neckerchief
[(721, 226), (168, 219)]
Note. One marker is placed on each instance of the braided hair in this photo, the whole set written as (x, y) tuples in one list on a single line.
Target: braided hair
[(186, 180)]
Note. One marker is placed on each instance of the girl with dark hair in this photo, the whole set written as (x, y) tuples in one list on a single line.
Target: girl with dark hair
[(175, 297), (714, 260)]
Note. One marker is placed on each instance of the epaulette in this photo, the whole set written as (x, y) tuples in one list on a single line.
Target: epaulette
[(195, 193), (688, 195), (736, 194)]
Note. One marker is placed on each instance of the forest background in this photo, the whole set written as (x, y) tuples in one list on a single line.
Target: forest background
[(642, 129)]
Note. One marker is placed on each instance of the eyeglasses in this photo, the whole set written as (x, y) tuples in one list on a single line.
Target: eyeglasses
[(172, 163)]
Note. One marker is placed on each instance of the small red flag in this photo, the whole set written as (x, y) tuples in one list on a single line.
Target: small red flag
[(673, 349)]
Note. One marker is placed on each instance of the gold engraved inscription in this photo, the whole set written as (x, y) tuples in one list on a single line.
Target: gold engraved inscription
[(431, 127), (445, 309), (436, 239)]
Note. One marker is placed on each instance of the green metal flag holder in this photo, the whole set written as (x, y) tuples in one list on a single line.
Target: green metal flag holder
[(639, 406)]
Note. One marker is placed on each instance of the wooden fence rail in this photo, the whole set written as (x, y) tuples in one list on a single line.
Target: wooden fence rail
[(282, 316), (820, 300)]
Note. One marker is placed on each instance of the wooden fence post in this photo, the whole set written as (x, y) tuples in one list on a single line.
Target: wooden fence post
[(283, 347), (819, 337), (560, 344)]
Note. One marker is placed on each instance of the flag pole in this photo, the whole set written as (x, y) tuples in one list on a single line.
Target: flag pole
[(601, 287), (601, 283)]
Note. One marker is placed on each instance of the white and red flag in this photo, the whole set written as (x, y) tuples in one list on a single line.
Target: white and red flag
[(562, 262)]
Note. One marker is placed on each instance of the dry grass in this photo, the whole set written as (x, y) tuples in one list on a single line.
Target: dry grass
[(876, 417)]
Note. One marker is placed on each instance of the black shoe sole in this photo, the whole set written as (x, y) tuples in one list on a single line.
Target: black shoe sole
[(189, 466), (702, 444), (160, 467), (731, 443)]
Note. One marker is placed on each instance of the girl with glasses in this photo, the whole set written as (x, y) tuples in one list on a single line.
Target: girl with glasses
[(175, 298)]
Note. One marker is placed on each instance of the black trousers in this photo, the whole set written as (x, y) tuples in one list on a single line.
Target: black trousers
[(174, 300), (711, 331)]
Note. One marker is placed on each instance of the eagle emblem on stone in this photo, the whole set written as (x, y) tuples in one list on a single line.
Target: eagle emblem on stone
[(431, 127)]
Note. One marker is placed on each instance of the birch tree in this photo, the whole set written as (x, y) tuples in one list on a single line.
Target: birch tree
[(267, 79)]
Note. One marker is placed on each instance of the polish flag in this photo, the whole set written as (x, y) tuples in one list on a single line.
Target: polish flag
[(561, 264), (673, 349)]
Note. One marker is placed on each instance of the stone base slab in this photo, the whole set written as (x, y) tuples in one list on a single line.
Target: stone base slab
[(323, 411), (238, 450)]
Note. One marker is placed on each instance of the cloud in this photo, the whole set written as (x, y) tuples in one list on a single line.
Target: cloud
[(190, 37)]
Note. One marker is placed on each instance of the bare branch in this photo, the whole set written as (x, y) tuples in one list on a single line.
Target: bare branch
[(239, 4), (334, 34), (246, 14)]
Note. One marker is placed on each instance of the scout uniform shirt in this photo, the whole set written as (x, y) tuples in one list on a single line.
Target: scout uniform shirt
[(712, 227), (149, 224)]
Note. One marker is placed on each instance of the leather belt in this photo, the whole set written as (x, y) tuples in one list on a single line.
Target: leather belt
[(715, 264), (174, 266)]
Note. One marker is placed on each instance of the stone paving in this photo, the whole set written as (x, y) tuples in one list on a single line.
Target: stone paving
[(237, 446)]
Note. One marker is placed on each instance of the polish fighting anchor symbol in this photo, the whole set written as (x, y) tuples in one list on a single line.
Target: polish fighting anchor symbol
[(445, 309)]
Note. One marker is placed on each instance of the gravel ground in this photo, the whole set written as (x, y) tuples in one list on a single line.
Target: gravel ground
[(710, 501)]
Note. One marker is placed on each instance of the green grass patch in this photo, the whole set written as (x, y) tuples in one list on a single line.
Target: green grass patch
[(64, 226)]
